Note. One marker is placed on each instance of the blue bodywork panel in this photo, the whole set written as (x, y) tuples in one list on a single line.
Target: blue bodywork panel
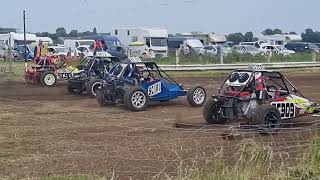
[(161, 90)]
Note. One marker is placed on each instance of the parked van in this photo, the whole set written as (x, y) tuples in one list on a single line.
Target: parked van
[(112, 45), (154, 38), (302, 47), (192, 46)]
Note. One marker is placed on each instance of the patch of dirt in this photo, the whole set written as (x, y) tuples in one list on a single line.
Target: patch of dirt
[(46, 131)]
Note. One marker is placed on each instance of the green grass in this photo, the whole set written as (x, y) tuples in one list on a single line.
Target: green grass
[(235, 58), (258, 162)]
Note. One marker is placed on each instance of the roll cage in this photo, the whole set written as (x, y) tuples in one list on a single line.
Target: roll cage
[(127, 69), (271, 76)]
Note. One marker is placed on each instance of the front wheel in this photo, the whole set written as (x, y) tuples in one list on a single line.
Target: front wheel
[(93, 86), (213, 112), (136, 99), (196, 96), (100, 98), (48, 78)]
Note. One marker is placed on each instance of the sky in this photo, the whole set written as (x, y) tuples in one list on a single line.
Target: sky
[(223, 16)]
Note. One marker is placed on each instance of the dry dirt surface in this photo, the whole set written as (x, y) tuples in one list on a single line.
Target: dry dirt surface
[(47, 132)]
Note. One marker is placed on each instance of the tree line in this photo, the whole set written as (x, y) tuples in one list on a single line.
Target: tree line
[(62, 32), (308, 36)]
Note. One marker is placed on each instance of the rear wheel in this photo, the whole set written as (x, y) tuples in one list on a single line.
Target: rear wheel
[(136, 99), (100, 98), (48, 78), (93, 86), (267, 118), (213, 112), (196, 96)]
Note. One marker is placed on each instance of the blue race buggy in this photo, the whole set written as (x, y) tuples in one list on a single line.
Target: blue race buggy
[(135, 84)]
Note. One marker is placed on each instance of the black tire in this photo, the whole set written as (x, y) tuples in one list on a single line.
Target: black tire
[(100, 98), (72, 90), (212, 112), (136, 91), (92, 87), (27, 79), (267, 118), (194, 97), (48, 79)]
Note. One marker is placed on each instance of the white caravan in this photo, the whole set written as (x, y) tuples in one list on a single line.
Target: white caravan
[(15, 39), (155, 39)]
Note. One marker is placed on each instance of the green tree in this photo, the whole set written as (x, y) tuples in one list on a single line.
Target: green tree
[(95, 31), (276, 31), (61, 32), (267, 32), (7, 30), (293, 33), (248, 37), (236, 38), (311, 36), (43, 34), (74, 33)]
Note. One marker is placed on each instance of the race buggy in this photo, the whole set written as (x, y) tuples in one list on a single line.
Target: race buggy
[(263, 99), (89, 78), (47, 70), (135, 84)]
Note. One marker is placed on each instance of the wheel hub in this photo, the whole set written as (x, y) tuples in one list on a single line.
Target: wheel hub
[(138, 99), (199, 96)]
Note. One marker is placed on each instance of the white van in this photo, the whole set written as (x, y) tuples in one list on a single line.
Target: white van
[(192, 46), (154, 38)]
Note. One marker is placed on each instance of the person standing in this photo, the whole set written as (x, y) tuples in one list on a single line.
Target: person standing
[(37, 51)]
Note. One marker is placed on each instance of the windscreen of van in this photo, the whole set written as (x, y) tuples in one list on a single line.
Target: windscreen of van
[(112, 43), (195, 43), (86, 43), (159, 42)]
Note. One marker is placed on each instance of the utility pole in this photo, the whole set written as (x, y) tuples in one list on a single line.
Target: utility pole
[(25, 38)]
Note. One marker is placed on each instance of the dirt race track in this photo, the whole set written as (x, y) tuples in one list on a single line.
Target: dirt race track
[(47, 132)]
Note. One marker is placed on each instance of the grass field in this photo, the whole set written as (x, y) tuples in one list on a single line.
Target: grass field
[(235, 58)]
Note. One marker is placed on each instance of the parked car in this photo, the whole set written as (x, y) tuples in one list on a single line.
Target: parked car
[(209, 50), (21, 52), (302, 47), (58, 50), (256, 44), (246, 49), (276, 49), (87, 52)]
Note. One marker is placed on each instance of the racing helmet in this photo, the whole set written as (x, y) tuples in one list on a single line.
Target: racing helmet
[(258, 75)]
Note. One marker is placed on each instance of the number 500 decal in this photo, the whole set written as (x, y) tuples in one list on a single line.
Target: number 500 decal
[(287, 110), (154, 89)]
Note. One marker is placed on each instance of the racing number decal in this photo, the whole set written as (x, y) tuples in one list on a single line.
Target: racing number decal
[(65, 75), (287, 110), (154, 89)]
